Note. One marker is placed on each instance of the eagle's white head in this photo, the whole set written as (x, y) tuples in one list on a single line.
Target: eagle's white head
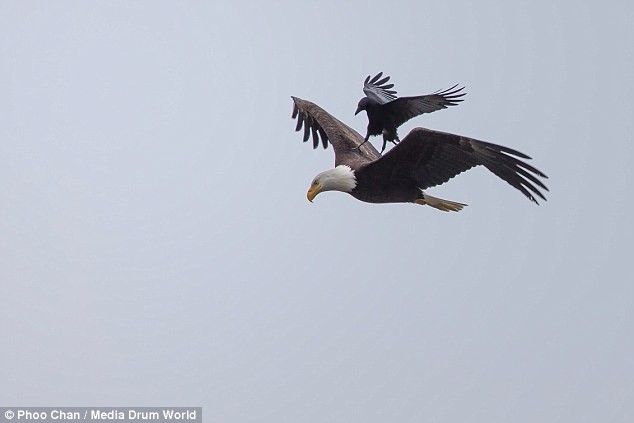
[(341, 178)]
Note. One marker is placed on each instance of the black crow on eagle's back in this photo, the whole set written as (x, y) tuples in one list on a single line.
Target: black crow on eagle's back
[(424, 159), (386, 112)]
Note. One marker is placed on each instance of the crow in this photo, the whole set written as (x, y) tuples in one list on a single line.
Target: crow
[(386, 112)]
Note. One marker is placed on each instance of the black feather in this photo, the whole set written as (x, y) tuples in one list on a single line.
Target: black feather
[(378, 75), (315, 137), (306, 132)]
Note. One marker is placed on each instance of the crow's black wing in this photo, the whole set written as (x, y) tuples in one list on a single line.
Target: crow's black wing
[(404, 108), (431, 158), (377, 90)]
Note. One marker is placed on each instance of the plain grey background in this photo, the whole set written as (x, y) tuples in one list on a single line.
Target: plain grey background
[(157, 247)]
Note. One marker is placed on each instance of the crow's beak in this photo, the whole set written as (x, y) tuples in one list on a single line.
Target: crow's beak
[(359, 109)]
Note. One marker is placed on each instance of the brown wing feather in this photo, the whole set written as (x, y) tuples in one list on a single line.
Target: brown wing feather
[(431, 158), (329, 129)]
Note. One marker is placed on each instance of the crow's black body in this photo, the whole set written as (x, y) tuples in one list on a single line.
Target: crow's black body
[(386, 112)]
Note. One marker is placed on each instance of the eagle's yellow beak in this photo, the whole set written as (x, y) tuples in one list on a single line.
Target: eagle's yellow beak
[(313, 191)]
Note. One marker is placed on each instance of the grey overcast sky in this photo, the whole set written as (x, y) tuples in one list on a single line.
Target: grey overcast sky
[(157, 247)]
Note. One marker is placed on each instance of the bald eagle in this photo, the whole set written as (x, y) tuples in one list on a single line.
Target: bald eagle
[(425, 158), (386, 112)]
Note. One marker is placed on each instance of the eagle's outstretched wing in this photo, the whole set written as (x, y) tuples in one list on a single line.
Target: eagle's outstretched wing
[(324, 126), (431, 158)]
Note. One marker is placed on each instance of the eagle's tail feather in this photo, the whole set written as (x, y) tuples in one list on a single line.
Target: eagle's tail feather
[(439, 203)]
